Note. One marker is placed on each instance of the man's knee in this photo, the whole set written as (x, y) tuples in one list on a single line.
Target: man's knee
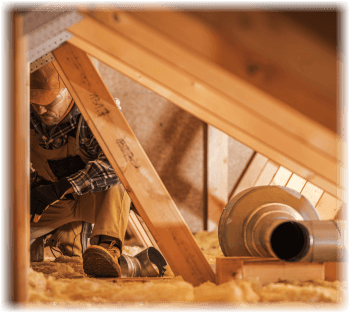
[(116, 195)]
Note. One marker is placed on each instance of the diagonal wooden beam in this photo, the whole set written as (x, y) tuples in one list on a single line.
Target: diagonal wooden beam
[(132, 165), (235, 107)]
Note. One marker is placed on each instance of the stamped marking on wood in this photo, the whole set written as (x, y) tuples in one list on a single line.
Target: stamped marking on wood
[(128, 155), (100, 109)]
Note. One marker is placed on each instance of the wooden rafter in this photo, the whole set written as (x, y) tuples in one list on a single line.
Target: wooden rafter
[(134, 46), (132, 166)]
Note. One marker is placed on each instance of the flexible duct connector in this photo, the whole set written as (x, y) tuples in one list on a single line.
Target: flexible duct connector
[(143, 264)]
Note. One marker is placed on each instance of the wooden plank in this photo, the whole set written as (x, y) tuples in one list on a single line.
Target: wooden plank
[(224, 33), (267, 174), (335, 271), (252, 174), (138, 231), (217, 173), (282, 177), (328, 206), (296, 183), (21, 163), (147, 232), (312, 193), (132, 166), (266, 270), (200, 99)]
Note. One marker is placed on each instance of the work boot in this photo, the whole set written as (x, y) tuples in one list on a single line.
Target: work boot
[(71, 238), (102, 260)]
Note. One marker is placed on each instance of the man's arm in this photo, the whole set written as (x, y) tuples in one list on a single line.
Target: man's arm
[(98, 174)]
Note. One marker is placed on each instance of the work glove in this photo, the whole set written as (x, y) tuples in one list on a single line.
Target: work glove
[(43, 196), (36, 181)]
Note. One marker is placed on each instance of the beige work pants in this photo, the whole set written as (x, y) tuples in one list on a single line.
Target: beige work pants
[(108, 210)]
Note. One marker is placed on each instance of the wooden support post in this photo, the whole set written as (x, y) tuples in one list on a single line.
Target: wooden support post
[(132, 165), (217, 173), (21, 164)]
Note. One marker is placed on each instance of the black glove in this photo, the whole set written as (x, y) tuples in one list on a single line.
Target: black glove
[(66, 167), (36, 181), (43, 196)]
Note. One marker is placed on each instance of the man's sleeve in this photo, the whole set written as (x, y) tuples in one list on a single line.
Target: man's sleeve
[(98, 174)]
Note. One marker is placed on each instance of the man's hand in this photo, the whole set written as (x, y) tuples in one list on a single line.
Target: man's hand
[(44, 196)]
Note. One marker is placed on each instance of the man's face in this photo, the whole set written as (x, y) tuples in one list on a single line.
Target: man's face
[(51, 114)]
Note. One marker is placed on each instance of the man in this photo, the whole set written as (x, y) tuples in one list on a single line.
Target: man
[(77, 181)]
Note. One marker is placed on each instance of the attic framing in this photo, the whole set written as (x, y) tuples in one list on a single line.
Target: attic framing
[(157, 58)]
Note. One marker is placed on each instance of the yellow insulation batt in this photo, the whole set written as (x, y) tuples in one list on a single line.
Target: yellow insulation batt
[(63, 280)]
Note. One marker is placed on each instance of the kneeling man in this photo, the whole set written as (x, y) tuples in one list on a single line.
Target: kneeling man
[(77, 183)]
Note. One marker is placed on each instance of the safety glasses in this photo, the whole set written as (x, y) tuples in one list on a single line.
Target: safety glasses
[(57, 100)]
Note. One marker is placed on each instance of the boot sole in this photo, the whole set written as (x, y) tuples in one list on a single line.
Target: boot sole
[(98, 263)]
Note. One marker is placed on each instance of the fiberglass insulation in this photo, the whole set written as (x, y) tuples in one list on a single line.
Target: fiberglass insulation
[(62, 280)]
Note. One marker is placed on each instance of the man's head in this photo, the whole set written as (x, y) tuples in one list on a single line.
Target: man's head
[(48, 95)]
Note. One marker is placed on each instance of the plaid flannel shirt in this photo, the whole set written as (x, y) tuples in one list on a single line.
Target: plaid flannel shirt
[(98, 175)]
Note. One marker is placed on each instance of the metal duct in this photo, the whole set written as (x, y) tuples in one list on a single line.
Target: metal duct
[(278, 222), (306, 241)]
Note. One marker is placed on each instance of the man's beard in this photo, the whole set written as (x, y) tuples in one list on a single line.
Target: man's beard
[(53, 120)]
